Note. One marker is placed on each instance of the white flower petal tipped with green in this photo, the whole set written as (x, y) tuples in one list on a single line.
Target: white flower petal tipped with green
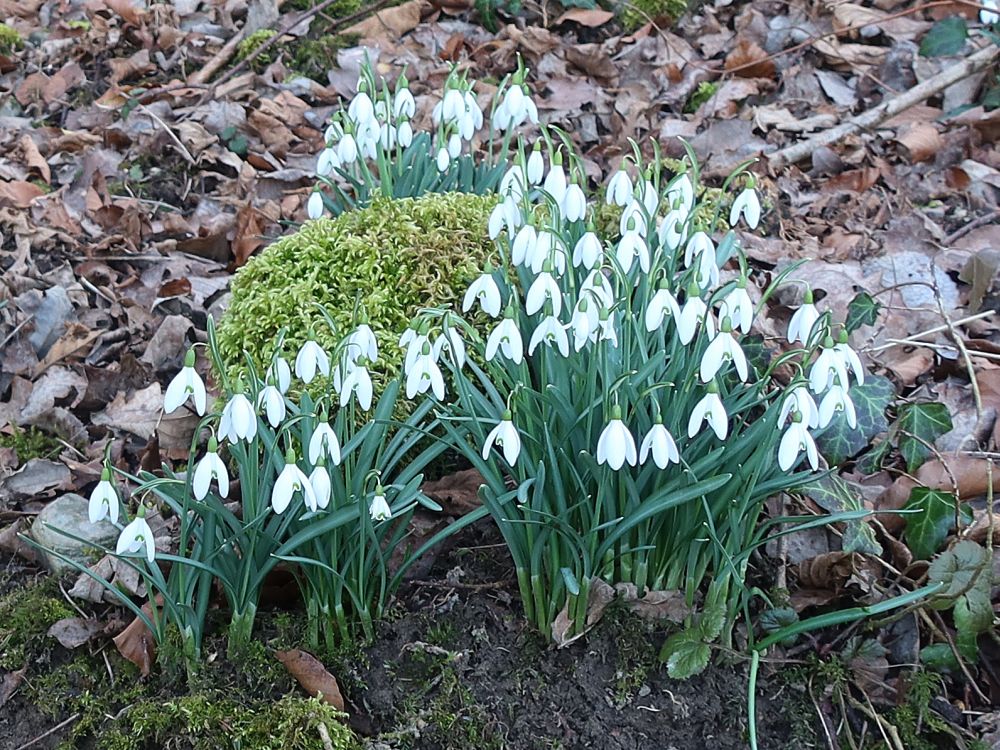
[(661, 445), (619, 189), (273, 403), (544, 289), (795, 440), (187, 383), (239, 420), (136, 537), (616, 446), (711, 411), (746, 205), (661, 305), (280, 374), (738, 307), (379, 508), (357, 383), (319, 480), (486, 292), (802, 322), (211, 467), (504, 436), (311, 358), (425, 375), (103, 500), (673, 231), (829, 368), (552, 333), (450, 340), (630, 247), (723, 348), (850, 358), (291, 480), (799, 400), (324, 442), (837, 399), (506, 339)]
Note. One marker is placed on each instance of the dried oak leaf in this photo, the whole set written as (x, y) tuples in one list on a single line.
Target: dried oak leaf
[(590, 17), (748, 60), (312, 676), (72, 632)]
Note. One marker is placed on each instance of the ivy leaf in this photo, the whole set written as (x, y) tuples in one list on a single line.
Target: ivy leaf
[(685, 653), (919, 425), (758, 355), (773, 620), (862, 311), (939, 657), (960, 569), (927, 529), (835, 495), (839, 441), (946, 37)]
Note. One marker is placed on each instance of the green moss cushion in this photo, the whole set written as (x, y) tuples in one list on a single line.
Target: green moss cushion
[(389, 260)]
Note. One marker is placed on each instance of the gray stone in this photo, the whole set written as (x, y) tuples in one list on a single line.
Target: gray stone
[(69, 513)]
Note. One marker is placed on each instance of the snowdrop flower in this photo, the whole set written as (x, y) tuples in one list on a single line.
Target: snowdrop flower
[(680, 194), (633, 217), (454, 145), (550, 331), (988, 13), (650, 200), (837, 399), (673, 230), (506, 339), (584, 324), (211, 467), (746, 205), (660, 443), (803, 320), (239, 420), (699, 244), (485, 291), (555, 180), (413, 342), (310, 358), (693, 315), (828, 368), (524, 245), (324, 442), (723, 348), (795, 440), (379, 509), (543, 289), (425, 375), (103, 499), (347, 149), (504, 436), (327, 162), (404, 134), (186, 384), (361, 108), (606, 327), (279, 373), (497, 221), (443, 160), (630, 247), (738, 307), (799, 400), (619, 189), (319, 480), (587, 251), (473, 116), (661, 305), (849, 357), (137, 536), (450, 339), (402, 103), (362, 343), (387, 137), (573, 206), (535, 170), (616, 446), (273, 402), (598, 286), (357, 382), (711, 411), (291, 480), (548, 248), (514, 182)]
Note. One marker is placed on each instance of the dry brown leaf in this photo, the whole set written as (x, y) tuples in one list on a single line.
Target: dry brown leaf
[(10, 541), (10, 683), (248, 239), (136, 643), (137, 413), (312, 676), (593, 61), (72, 632), (590, 17), (391, 23), (920, 141), (457, 493), (856, 180), (34, 159), (831, 570), (748, 60), (18, 193), (135, 66)]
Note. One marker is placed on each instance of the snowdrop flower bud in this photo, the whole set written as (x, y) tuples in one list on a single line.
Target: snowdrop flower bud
[(347, 149), (310, 358), (550, 332), (327, 162), (710, 411), (746, 205), (619, 189), (606, 327), (273, 402), (650, 200), (506, 339), (693, 314), (404, 134), (799, 400), (136, 537), (837, 399), (795, 440), (239, 420), (443, 160), (588, 251), (543, 289), (291, 480), (738, 307), (324, 442), (574, 203), (454, 145), (660, 443), (450, 339), (402, 103), (524, 244), (555, 180), (584, 323), (616, 446), (802, 322), (680, 194), (211, 467), (661, 304), (485, 291), (828, 368), (724, 348), (536, 165), (425, 375), (379, 509), (187, 383), (104, 499), (504, 436), (849, 357), (358, 382), (319, 480), (280, 374)]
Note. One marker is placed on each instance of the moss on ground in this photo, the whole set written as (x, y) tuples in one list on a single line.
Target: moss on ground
[(250, 45), (10, 39), (314, 58), (635, 13), (30, 443), (26, 614)]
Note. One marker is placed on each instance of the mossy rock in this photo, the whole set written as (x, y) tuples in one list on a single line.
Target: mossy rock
[(387, 260)]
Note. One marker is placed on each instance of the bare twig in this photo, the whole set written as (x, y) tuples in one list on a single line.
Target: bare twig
[(49, 733), (974, 224), (887, 109)]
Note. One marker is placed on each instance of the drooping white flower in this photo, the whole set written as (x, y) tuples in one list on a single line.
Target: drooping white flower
[(616, 446), (632, 246), (310, 358), (358, 382), (239, 420), (680, 193), (497, 221), (828, 368), (588, 251), (555, 180), (291, 480), (524, 244), (412, 342), (597, 286), (326, 163), (648, 196), (699, 244), (606, 330), (550, 332), (746, 205), (135, 537), (723, 348), (544, 289), (324, 442), (988, 13), (619, 189), (573, 205), (361, 108), (504, 436), (795, 440), (347, 149), (443, 160), (319, 480), (661, 305), (693, 315), (549, 248), (799, 400), (803, 320), (486, 292), (186, 384), (279, 373), (362, 343), (514, 183), (584, 323), (404, 134), (403, 104), (450, 340), (273, 403), (103, 499), (454, 146), (837, 399), (738, 307), (379, 508), (660, 444), (535, 169), (711, 411), (850, 358), (210, 467), (633, 217), (673, 230), (425, 375)]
